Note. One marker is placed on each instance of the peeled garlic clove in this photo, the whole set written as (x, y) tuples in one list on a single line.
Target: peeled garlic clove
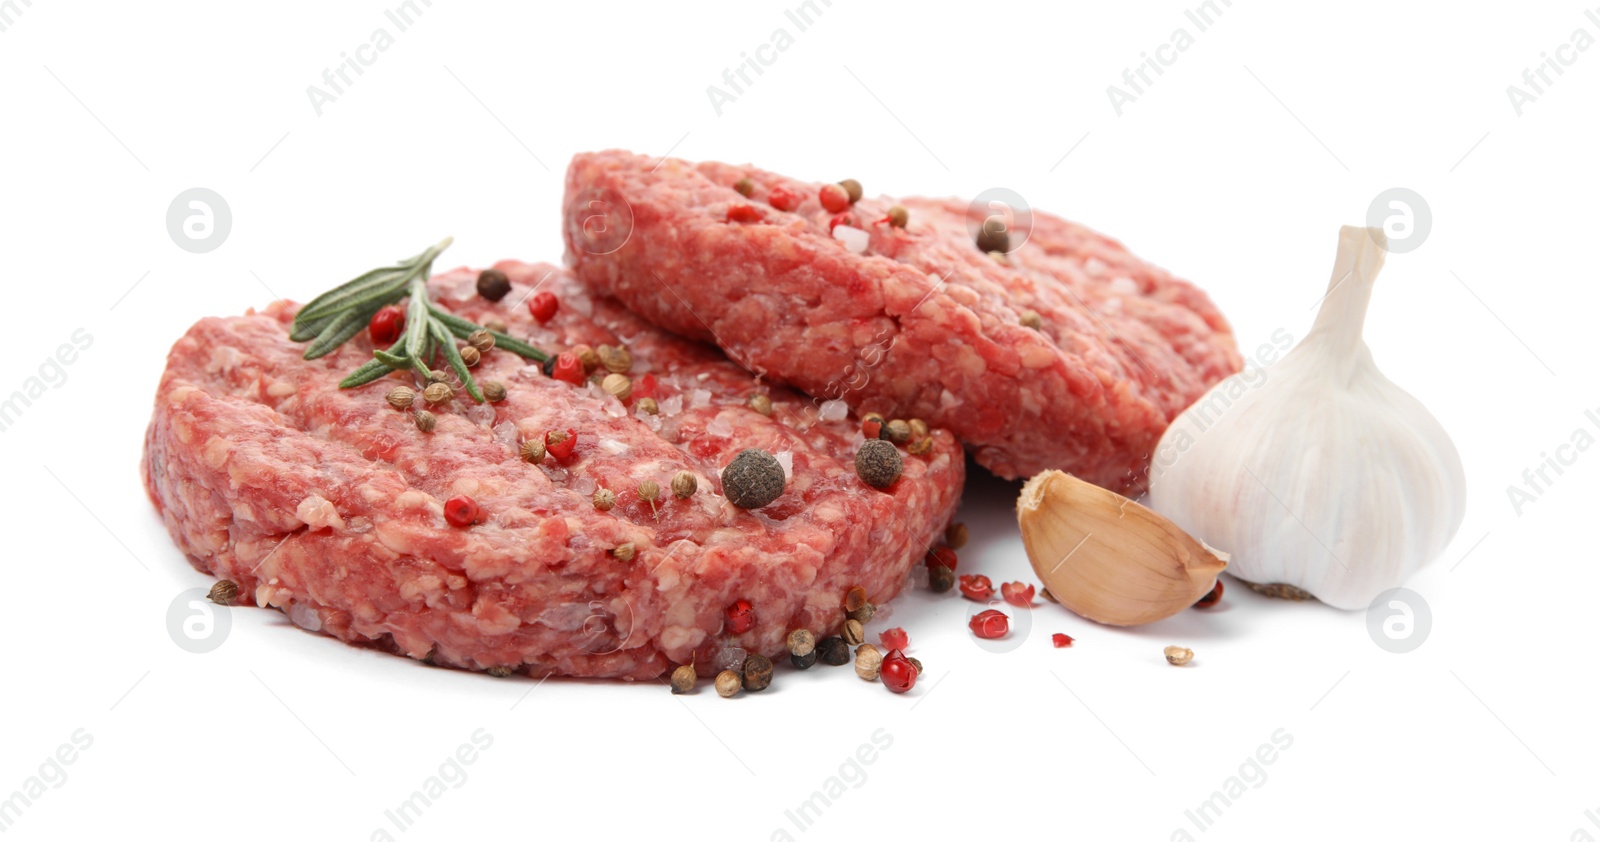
[(1318, 473), (1108, 558)]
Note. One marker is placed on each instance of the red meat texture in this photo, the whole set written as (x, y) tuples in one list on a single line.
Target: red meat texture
[(327, 503), (922, 324)]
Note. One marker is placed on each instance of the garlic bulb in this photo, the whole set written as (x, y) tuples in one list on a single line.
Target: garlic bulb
[(1318, 472), (1108, 558)]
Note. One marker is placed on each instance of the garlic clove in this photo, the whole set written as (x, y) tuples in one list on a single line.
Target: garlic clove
[(1107, 558)]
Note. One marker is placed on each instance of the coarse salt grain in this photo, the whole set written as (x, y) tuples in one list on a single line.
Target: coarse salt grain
[(614, 407), (671, 406), (579, 304), (584, 485), (731, 658), (613, 447), (480, 414), (855, 240), (699, 399), (833, 410), (305, 617), (720, 427), (786, 459), (505, 432)]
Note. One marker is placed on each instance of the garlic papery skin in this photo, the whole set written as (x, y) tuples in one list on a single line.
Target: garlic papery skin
[(1318, 472)]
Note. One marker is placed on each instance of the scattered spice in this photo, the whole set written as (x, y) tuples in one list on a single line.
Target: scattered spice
[(878, 463), (624, 552), (782, 198), (956, 536), (561, 443), (863, 615), (739, 617), (941, 579), (386, 325), (1017, 594), (804, 662), (920, 447), (588, 356), (437, 376), (1060, 640), (616, 359), (757, 672), (744, 187), (494, 391), (834, 198), (400, 397), (977, 587), (868, 662), (617, 386), (683, 679), (461, 511), (852, 190), (760, 403), (919, 428), (438, 393), (1178, 655), (648, 405), (898, 217), (533, 451), (495, 325), (683, 484), (743, 213), (833, 651), (469, 355), (940, 556), (1212, 598), (605, 499), (992, 236), (895, 638), (500, 671), (1031, 318), (853, 633), (493, 284), (897, 431), (854, 598), (753, 479), (224, 592), (897, 672), (728, 683), (425, 420), (801, 642), (872, 425), (483, 340), (543, 306), (649, 491), (990, 624), (916, 663)]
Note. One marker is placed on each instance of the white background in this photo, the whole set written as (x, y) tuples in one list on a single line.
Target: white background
[(1234, 169)]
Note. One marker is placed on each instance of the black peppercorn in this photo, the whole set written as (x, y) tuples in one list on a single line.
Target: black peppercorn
[(941, 578), (493, 284), (878, 463), (757, 672), (805, 661), (753, 479), (833, 651), (548, 366)]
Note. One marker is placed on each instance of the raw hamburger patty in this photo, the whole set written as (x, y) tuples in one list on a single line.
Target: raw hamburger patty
[(921, 324), (327, 503)]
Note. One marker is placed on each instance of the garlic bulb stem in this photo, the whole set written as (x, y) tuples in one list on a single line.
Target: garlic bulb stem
[(1343, 313)]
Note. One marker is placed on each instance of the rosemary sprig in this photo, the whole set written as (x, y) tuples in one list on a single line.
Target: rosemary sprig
[(340, 313)]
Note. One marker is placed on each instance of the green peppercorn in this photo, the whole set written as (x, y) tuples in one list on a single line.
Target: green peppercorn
[(753, 479), (878, 463)]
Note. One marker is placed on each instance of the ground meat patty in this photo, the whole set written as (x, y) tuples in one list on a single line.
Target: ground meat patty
[(327, 503), (923, 323)]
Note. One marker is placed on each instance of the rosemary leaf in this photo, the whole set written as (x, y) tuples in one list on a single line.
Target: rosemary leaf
[(335, 334), (463, 328), (371, 370), (453, 357)]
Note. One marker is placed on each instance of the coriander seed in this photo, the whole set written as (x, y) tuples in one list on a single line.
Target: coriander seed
[(898, 216), (760, 403), (683, 679), (493, 284), (1178, 655), (649, 491), (438, 393), (617, 360), (728, 683), (400, 397), (604, 499), (801, 642), (868, 662), (897, 431), (469, 355), (833, 651), (915, 663), (495, 325), (617, 386), (425, 420), (744, 187), (684, 485), (853, 633), (494, 391), (852, 189), (878, 463), (500, 671), (532, 450), (649, 406), (920, 447), (437, 376), (863, 615), (588, 357), (753, 479), (624, 552), (1031, 318), (224, 592), (919, 428), (955, 535), (483, 340), (757, 672)]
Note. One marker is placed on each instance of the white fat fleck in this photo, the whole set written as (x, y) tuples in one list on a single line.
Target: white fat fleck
[(855, 240), (703, 376), (580, 304), (1124, 286), (613, 447), (223, 358), (316, 512), (833, 410), (305, 617), (280, 389)]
